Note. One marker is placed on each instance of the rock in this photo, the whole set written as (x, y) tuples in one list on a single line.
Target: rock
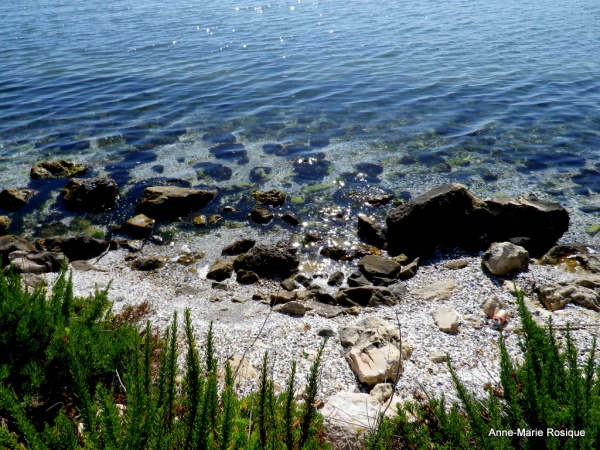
[(371, 296), (152, 263), (303, 280), (382, 392), (172, 202), (583, 292), (505, 257), (288, 285), (446, 319), (456, 264), (238, 247), (11, 243), (438, 356), (247, 277), (261, 215), (138, 227), (492, 305), (437, 290), (357, 279), (93, 195), (416, 227), (75, 248), (573, 258), (374, 365), (370, 231), (292, 308), (380, 200), (14, 199), (324, 310), (200, 220), (186, 290), (272, 197), (290, 219), (348, 416), (4, 224), (36, 262), (220, 270), (409, 271), (369, 331), (268, 261), (326, 332), (281, 297), (57, 169), (542, 222), (378, 266), (337, 253), (241, 369), (335, 279)]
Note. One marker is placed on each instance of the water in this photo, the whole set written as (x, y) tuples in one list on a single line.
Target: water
[(501, 96)]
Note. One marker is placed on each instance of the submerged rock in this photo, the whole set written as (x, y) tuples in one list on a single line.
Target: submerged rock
[(93, 195), (261, 215), (238, 247), (271, 198)]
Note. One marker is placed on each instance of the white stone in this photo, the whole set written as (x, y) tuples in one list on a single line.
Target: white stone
[(446, 318)]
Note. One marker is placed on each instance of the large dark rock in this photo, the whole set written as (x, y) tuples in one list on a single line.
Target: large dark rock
[(11, 243), (75, 248), (239, 247), (90, 194), (268, 261), (14, 199), (171, 202), (447, 216), (538, 223), (57, 169)]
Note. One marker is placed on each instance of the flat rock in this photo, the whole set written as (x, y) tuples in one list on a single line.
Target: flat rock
[(292, 308), (241, 369), (378, 266), (371, 296), (505, 257), (281, 297), (583, 292), (446, 319), (456, 264), (172, 202), (437, 290)]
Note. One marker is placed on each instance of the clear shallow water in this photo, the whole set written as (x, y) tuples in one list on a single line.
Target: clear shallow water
[(503, 97)]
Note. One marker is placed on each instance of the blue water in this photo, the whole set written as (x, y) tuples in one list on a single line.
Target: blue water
[(502, 96)]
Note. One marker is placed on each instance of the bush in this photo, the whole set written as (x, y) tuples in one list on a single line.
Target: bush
[(74, 375), (548, 391)]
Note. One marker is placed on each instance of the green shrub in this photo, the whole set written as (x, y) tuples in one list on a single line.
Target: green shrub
[(74, 375), (548, 391)]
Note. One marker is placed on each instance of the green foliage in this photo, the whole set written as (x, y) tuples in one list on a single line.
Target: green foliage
[(74, 375), (549, 390)]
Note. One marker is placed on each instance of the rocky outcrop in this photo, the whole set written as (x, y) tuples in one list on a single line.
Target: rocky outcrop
[(172, 202), (268, 261), (90, 194), (36, 262), (505, 257), (15, 199), (11, 243), (528, 221), (138, 227), (449, 216), (74, 248), (372, 350), (57, 169)]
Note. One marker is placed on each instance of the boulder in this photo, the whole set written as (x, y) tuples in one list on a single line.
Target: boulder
[(337, 253), (447, 216), (371, 296), (583, 292), (172, 202), (36, 262), (4, 224), (57, 169), (74, 248), (446, 318), (138, 227), (220, 270), (377, 266), (272, 197), (268, 261), (90, 194), (370, 231), (238, 247), (11, 243), (539, 222), (505, 257), (14, 199)]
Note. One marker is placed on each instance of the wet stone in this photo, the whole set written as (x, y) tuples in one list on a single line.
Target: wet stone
[(336, 279), (407, 160), (273, 149), (57, 169), (239, 247), (4, 224), (369, 169), (260, 174), (216, 171), (311, 169), (228, 151), (290, 219), (357, 279), (90, 194), (271, 198), (261, 215), (14, 199), (288, 285), (337, 253), (220, 270)]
